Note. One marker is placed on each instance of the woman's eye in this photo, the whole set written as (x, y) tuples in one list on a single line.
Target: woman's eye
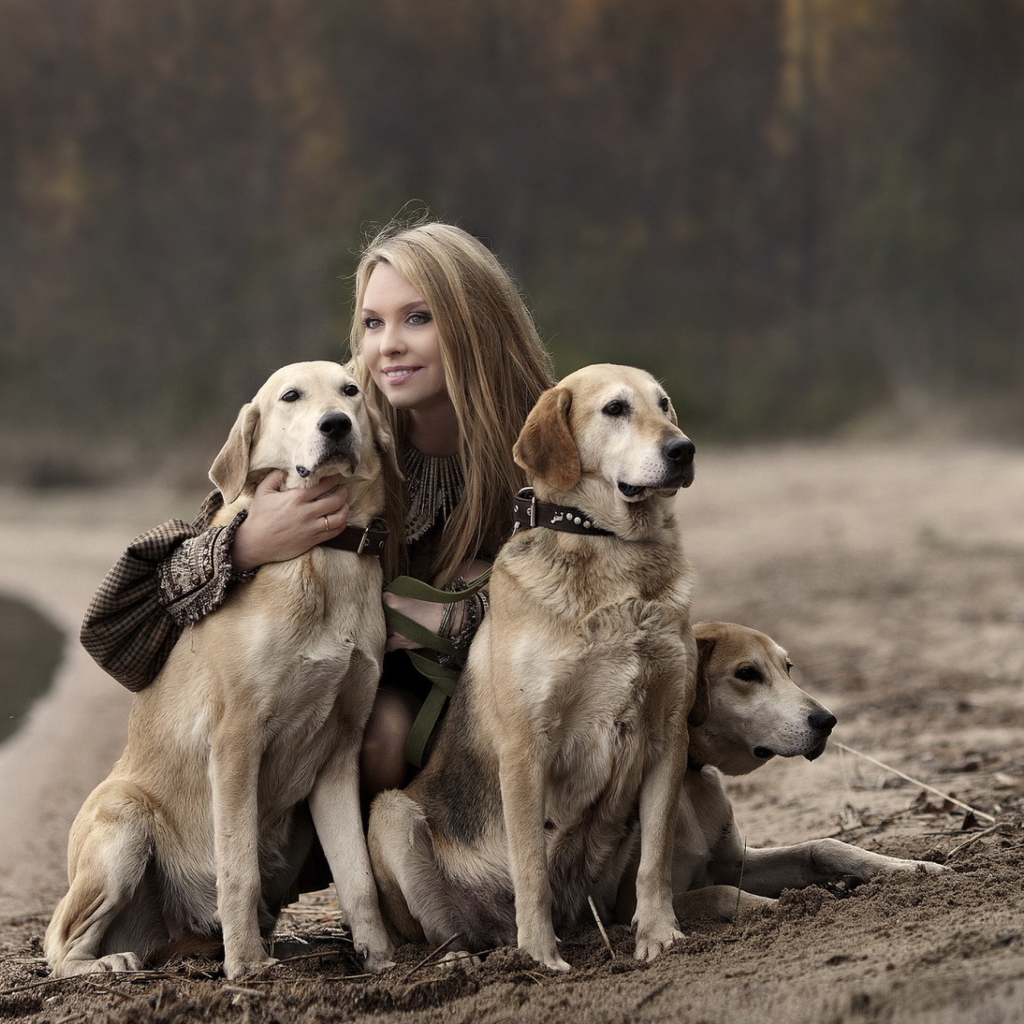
[(371, 323), (290, 396), (614, 409), (749, 674), (418, 319), (350, 390)]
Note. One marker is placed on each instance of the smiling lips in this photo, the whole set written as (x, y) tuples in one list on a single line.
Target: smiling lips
[(399, 374)]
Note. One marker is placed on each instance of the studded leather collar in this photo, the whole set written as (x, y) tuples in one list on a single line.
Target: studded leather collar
[(529, 512)]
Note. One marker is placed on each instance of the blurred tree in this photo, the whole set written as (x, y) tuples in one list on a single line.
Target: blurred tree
[(793, 210)]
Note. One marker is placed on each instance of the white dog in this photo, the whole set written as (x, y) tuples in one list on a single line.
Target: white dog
[(569, 724), (199, 829), (748, 710)]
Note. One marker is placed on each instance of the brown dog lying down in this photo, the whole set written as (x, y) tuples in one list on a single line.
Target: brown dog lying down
[(747, 711), (197, 831), (570, 720)]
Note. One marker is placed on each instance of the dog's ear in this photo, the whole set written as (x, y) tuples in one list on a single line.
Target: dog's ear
[(231, 467), (545, 447), (702, 701)]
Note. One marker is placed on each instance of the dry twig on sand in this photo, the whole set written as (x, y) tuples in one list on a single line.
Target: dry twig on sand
[(911, 779)]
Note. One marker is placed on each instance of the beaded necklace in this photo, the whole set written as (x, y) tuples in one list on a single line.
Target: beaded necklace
[(435, 486)]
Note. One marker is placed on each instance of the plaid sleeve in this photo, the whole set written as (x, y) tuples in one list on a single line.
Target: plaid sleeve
[(169, 577)]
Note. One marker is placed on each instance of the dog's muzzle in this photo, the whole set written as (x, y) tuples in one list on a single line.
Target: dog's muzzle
[(336, 433), (335, 425), (678, 452), (821, 723)]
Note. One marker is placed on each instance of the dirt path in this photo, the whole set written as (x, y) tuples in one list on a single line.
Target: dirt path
[(895, 577)]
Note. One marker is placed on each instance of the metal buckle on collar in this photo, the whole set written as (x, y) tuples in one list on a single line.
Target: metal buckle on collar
[(517, 509), (364, 540), (375, 544)]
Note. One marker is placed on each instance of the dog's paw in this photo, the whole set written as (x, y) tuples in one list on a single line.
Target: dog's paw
[(554, 963), (376, 960), (234, 969), (923, 867), (112, 963), (119, 962), (454, 956), (547, 956), (652, 943)]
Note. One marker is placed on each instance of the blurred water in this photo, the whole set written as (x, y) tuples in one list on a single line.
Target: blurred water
[(31, 648)]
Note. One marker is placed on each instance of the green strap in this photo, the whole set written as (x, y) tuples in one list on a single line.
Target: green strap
[(407, 586), (412, 630), (445, 680)]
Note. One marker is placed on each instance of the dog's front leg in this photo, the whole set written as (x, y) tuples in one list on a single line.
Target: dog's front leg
[(661, 798), (767, 872), (334, 803), (522, 771), (235, 758)]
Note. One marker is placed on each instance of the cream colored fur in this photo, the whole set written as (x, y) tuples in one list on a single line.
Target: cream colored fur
[(570, 721), (201, 828), (747, 711)]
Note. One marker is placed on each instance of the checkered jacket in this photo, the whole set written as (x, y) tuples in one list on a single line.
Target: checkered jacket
[(178, 573), (171, 576)]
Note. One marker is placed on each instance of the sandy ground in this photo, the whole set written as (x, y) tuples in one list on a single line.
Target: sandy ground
[(894, 576)]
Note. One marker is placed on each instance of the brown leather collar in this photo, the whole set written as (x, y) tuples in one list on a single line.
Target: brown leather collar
[(368, 541), (528, 512)]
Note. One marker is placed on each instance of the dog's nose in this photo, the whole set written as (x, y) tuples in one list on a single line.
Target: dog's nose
[(679, 450), (822, 721), (335, 425)]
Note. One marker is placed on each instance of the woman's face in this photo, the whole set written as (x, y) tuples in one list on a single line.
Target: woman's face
[(400, 343)]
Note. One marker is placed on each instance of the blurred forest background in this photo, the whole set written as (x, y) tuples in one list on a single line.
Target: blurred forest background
[(807, 216)]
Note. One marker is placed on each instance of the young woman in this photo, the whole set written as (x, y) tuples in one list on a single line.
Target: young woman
[(444, 345)]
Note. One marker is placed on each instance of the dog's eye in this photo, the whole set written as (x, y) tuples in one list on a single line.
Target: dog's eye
[(664, 403), (615, 408), (290, 396), (749, 674), (789, 667), (350, 390)]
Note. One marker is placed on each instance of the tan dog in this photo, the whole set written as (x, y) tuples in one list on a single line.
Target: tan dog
[(748, 710), (259, 707), (569, 724)]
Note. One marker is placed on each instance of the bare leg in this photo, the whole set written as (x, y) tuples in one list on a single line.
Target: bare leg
[(382, 763)]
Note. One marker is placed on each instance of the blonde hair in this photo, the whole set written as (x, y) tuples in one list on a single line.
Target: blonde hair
[(495, 369)]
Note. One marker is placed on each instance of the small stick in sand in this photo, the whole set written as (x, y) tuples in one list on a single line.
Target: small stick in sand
[(916, 782), (600, 927), (430, 956)]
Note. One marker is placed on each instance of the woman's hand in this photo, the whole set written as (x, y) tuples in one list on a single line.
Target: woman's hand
[(283, 524), (428, 613)]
